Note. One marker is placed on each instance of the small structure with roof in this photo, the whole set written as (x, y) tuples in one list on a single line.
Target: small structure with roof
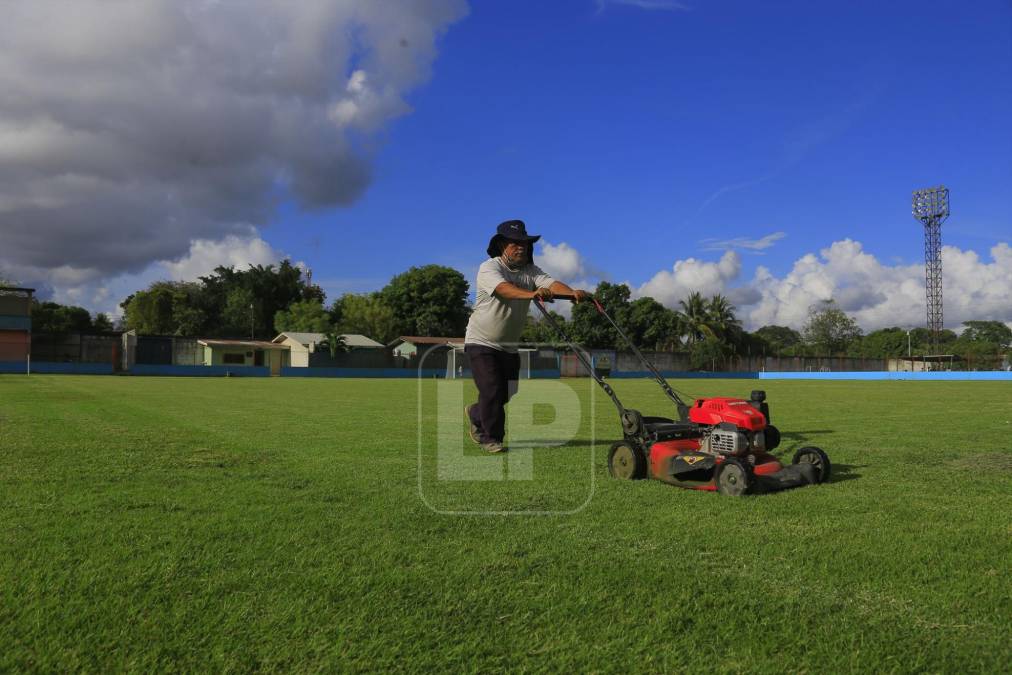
[(304, 344), (245, 353), (408, 346)]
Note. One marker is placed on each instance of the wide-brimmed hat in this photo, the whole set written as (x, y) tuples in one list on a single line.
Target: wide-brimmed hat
[(513, 230)]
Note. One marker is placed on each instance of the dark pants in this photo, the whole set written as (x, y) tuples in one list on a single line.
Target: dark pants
[(495, 373)]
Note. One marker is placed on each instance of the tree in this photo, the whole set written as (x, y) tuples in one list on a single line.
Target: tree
[(52, 317), (227, 295), (165, 308), (994, 332), (779, 338), (693, 319), (334, 343), (722, 321), (538, 330), (829, 329), (365, 315), (303, 316), (101, 323), (651, 325), (590, 329), (428, 301), (150, 312), (188, 313), (884, 343), (240, 315), (704, 354), (920, 339)]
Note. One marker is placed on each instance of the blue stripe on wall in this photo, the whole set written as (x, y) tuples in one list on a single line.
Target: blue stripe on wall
[(294, 371), (8, 322), (51, 368), (200, 371), (982, 375), (686, 375)]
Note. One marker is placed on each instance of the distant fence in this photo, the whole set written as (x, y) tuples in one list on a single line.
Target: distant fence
[(158, 350), (184, 356), (75, 348), (627, 364)]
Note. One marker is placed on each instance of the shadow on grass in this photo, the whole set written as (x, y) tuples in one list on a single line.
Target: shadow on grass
[(844, 472), (541, 443), (803, 436)]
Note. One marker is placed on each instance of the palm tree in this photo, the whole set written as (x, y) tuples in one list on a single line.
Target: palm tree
[(335, 343), (721, 319), (693, 320)]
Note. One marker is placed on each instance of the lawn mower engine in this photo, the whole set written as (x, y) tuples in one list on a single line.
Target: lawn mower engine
[(723, 445)]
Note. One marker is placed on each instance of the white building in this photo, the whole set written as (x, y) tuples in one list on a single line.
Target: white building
[(304, 344)]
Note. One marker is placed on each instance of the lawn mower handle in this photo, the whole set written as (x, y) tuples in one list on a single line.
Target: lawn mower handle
[(680, 405), (570, 296), (578, 350)]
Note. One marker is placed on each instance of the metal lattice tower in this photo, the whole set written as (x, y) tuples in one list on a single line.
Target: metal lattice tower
[(931, 207)]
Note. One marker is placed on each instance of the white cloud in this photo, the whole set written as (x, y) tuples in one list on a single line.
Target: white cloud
[(668, 287), (564, 262), (876, 294), (568, 265), (752, 245), (100, 293), (232, 251), (129, 130)]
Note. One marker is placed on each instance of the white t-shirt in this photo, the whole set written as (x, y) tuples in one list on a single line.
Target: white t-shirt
[(496, 322)]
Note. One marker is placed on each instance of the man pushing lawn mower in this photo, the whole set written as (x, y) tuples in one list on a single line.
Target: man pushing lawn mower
[(722, 444), (507, 282)]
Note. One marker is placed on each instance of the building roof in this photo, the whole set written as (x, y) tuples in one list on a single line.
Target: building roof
[(419, 340), (350, 339), (249, 344), (356, 340), (304, 339), (15, 291)]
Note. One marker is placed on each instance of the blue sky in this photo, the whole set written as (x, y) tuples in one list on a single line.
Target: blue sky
[(765, 150), (634, 135)]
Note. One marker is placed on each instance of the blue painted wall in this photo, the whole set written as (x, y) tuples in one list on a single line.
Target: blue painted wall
[(50, 368), (8, 322), (685, 375), (982, 375), (362, 372), (200, 371)]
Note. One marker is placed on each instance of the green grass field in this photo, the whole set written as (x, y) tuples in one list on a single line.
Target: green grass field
[(278, 524)]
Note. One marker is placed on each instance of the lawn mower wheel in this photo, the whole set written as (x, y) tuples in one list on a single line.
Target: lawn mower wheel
[(817, 458), (626, 462), (733, 478)]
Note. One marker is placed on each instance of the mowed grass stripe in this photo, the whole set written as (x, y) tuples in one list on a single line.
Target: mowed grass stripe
[(244, 524)]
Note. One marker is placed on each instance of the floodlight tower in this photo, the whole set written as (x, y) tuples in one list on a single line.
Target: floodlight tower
[(931, 208)]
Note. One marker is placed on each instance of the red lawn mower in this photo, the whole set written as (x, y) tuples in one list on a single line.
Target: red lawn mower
[(719, 443)]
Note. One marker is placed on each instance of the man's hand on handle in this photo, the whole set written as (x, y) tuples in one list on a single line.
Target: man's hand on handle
[(543, 294), (547, 295)]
